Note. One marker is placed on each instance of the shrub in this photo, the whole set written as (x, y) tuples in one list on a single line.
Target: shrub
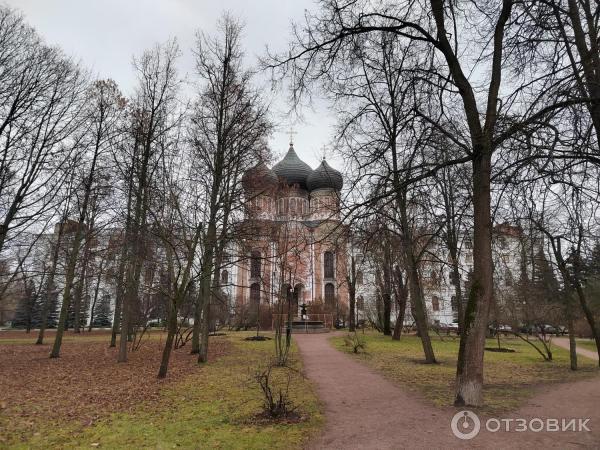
[(355, 341)]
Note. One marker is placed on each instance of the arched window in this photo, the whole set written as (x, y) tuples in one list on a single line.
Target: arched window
[(224, 277), (329, 295), (454, 303), (328, 263), (359, 277), (255, 264), (435, 303), (255, 294)]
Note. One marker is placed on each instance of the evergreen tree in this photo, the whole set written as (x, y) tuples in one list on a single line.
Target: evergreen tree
[(28, 310), (83, 314), (102, 313), (592, 277), (545, 284), (592, 265), (52, 319)]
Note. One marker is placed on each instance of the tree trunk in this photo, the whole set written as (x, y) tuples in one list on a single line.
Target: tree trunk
[(387, 290), (197, 323), (469, 369), (419, 313), (205, 329), (205, 324), (572, 342), (120, 291), (207, 273), (414, 284), (78, 297), (589, 315), (116, 320), (171, 330), (96, 292), (387, 314), (457, 292), (352, 313), (123, 332), (69, 278), (135, 262), (77, 300), (50, 284), (401, 299)]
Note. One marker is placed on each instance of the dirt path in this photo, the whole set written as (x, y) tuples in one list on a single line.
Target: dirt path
[(363, 410), (564, 343)]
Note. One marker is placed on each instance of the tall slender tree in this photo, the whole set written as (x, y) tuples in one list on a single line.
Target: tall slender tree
[(228, 128), (103, 107)]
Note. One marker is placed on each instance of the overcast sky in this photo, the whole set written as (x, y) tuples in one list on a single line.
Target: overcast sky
[(105, 34)]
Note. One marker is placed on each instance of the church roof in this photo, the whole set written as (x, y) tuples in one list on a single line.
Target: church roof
[(292, 169), (259, 177), (324, 177)]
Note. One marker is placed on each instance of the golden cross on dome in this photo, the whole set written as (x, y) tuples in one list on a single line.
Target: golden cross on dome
[(291, 133)]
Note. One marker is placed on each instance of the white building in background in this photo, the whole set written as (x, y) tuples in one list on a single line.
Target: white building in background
[(438, 288)]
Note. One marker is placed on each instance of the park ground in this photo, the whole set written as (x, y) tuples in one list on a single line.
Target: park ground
[(86, 400), (396, 401), (511, 377)]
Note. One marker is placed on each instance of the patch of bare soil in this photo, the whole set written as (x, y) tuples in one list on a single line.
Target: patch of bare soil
[(86, 382)]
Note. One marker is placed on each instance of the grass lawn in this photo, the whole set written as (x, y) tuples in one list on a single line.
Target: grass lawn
[(213, 406), (11, 336), (588, 344), (509, 377)]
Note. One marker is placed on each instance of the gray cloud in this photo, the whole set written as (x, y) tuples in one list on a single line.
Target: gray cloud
[(105, 34)]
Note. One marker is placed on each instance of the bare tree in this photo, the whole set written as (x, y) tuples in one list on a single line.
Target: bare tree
[(181, 243), (228, 128), (39, 113), (50, 286), (401, 296), (570, 233), (154, 115), (488, 115), (375, 97), (351, 281), (103, 107)]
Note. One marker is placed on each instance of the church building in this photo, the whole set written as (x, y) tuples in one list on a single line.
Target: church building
[(293, 249), (292, 244)]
